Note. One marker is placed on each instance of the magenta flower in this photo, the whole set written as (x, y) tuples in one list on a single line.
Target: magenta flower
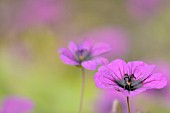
[(129, 78), (16, 105), (84, 54)]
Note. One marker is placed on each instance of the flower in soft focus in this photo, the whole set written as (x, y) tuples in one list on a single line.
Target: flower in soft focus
[(84, 54), (110, 102), (33, 12), (16, 105), (116, 37), (129, 78), (141, 9)]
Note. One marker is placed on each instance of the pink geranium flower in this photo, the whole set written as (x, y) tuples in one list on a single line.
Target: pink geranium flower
[(16, 105), (129, 78), (84, 54)]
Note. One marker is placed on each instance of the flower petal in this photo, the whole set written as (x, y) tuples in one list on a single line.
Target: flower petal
[(92, 64), (103, 78), (66, 52), (132, 66), (133, 93), (139, 69), (85, 45), (156, 81), (67, 57), (100, 48), (73, 47), (68, 61), (118, 67)]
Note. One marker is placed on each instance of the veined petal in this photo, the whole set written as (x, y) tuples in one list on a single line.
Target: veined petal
[(92, 64), (132, 66), (118, 68), (104, 79), (68, 61), (156, 81), (129, 93), (99, 49), (144, 70)]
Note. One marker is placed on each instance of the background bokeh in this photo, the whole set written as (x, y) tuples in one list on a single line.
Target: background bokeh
[(31, 31)]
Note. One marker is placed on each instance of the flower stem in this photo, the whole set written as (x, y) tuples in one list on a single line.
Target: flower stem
[(128, 104), (82, 90)]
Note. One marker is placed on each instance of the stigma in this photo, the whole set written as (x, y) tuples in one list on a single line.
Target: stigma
[(128, 83)]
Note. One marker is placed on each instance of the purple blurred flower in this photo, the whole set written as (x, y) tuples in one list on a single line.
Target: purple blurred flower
[(116, 37), (16, 105), (129, 78), (141, 9), (33, 12), (106, 103), (84, 54)]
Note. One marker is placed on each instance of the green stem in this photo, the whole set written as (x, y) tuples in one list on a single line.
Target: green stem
[(128, 104), (82, 90)]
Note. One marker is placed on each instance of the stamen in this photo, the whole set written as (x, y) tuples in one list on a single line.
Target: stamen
[(82, 55), (129, 82)]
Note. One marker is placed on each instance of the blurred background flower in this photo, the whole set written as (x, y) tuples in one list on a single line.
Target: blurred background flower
[(16, 105), (85, 54), (22, 15), (35, 12)]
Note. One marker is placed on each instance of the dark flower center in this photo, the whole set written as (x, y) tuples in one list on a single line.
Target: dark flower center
[(82, 55), (129, 82)]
